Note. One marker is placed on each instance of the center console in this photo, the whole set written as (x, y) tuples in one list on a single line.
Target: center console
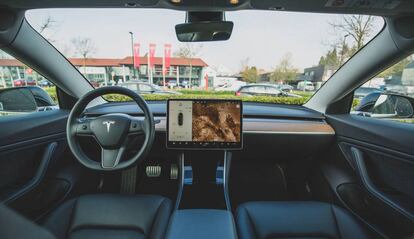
[(204, 132), (201, 224)]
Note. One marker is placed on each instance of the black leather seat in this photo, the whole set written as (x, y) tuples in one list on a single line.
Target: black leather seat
[(265, 220), (111, 216)]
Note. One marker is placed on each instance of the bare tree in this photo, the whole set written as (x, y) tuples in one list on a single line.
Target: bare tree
[(358, 27), (48, 23), (189, 51), (84, 47), (48, 27)]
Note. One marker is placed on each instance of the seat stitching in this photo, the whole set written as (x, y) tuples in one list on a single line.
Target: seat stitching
[(336, 222)]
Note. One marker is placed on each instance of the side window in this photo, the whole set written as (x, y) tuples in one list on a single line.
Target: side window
[(144, 87), (22, 90), (389, 95), (258, 89), (272, 90)]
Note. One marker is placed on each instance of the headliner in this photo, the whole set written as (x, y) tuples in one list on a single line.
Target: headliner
[(400, 7)]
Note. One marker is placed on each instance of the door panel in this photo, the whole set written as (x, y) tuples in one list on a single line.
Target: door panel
[(33, 155), (381, 158)]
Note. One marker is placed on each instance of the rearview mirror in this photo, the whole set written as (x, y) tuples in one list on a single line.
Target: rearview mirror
[(14, 100), (393, 106), (204, 31)]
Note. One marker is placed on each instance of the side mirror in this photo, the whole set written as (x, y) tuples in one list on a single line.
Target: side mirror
[(393, 106), (15, 100)]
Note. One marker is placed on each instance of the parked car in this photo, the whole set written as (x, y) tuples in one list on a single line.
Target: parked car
[(286, 88), (95, 84), (262, 90), (147, 88), (45, 83), (24, 82), (171, 83), (233, 86), (305, 86), (361, 92)]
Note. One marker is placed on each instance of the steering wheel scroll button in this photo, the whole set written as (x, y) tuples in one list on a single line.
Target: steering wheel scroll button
[(83, 129), (136, 127)]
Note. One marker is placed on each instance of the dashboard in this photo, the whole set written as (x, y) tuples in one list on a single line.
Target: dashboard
[(271, 129)]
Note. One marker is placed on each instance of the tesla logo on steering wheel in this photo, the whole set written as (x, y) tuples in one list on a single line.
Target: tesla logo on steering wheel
[(108, 124)]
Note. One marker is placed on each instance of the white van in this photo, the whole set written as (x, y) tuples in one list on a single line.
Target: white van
[(305, 86)]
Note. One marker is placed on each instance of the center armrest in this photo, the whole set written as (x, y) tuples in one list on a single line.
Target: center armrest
[(201, 224)]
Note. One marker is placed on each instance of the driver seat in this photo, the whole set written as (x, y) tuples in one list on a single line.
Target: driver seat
[(107, 216)]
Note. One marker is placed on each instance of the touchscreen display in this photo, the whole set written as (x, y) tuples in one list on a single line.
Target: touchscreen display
[(204, 124)]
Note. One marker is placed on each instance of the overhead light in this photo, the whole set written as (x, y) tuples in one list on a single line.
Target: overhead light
[(234, 2), (176, 1)]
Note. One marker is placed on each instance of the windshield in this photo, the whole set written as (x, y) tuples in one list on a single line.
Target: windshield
[(297, 52)]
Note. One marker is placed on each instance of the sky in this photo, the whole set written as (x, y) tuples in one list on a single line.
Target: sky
[(263, 37)]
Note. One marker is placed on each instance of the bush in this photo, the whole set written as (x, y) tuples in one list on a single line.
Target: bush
[(205, 92), (52, 92), (263, 99), (201, 94)]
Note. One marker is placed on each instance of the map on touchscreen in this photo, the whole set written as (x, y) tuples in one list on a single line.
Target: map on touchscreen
[(209, 123)]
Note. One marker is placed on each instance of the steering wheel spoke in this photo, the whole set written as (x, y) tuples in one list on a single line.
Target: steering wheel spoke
[(137, 126), (82, 127), (110, 158)]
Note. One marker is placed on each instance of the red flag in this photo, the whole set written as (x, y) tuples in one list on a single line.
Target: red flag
[(167, 57), (151, 54), (136, 55)]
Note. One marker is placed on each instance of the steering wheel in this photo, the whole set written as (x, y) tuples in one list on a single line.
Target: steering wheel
[(111, 131)]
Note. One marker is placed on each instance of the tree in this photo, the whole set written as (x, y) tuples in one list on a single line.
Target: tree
[(330, 59), (84, 47), (250, 74), (397, 69), (48, 27), (358, 27), (284, 71), (189, 51)]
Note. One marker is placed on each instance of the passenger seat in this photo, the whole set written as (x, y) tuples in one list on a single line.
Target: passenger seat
[(276, 220)]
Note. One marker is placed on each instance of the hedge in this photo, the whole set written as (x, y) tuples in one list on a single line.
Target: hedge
[(264, 99), (200, 94)]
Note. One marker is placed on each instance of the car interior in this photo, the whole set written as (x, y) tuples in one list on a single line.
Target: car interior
[(94, 168)]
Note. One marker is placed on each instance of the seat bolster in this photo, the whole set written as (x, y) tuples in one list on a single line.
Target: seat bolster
[(58, 222), (243, 218), (262, 220), (14, 226), (348, 226), (111, 216), (161, 221)]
